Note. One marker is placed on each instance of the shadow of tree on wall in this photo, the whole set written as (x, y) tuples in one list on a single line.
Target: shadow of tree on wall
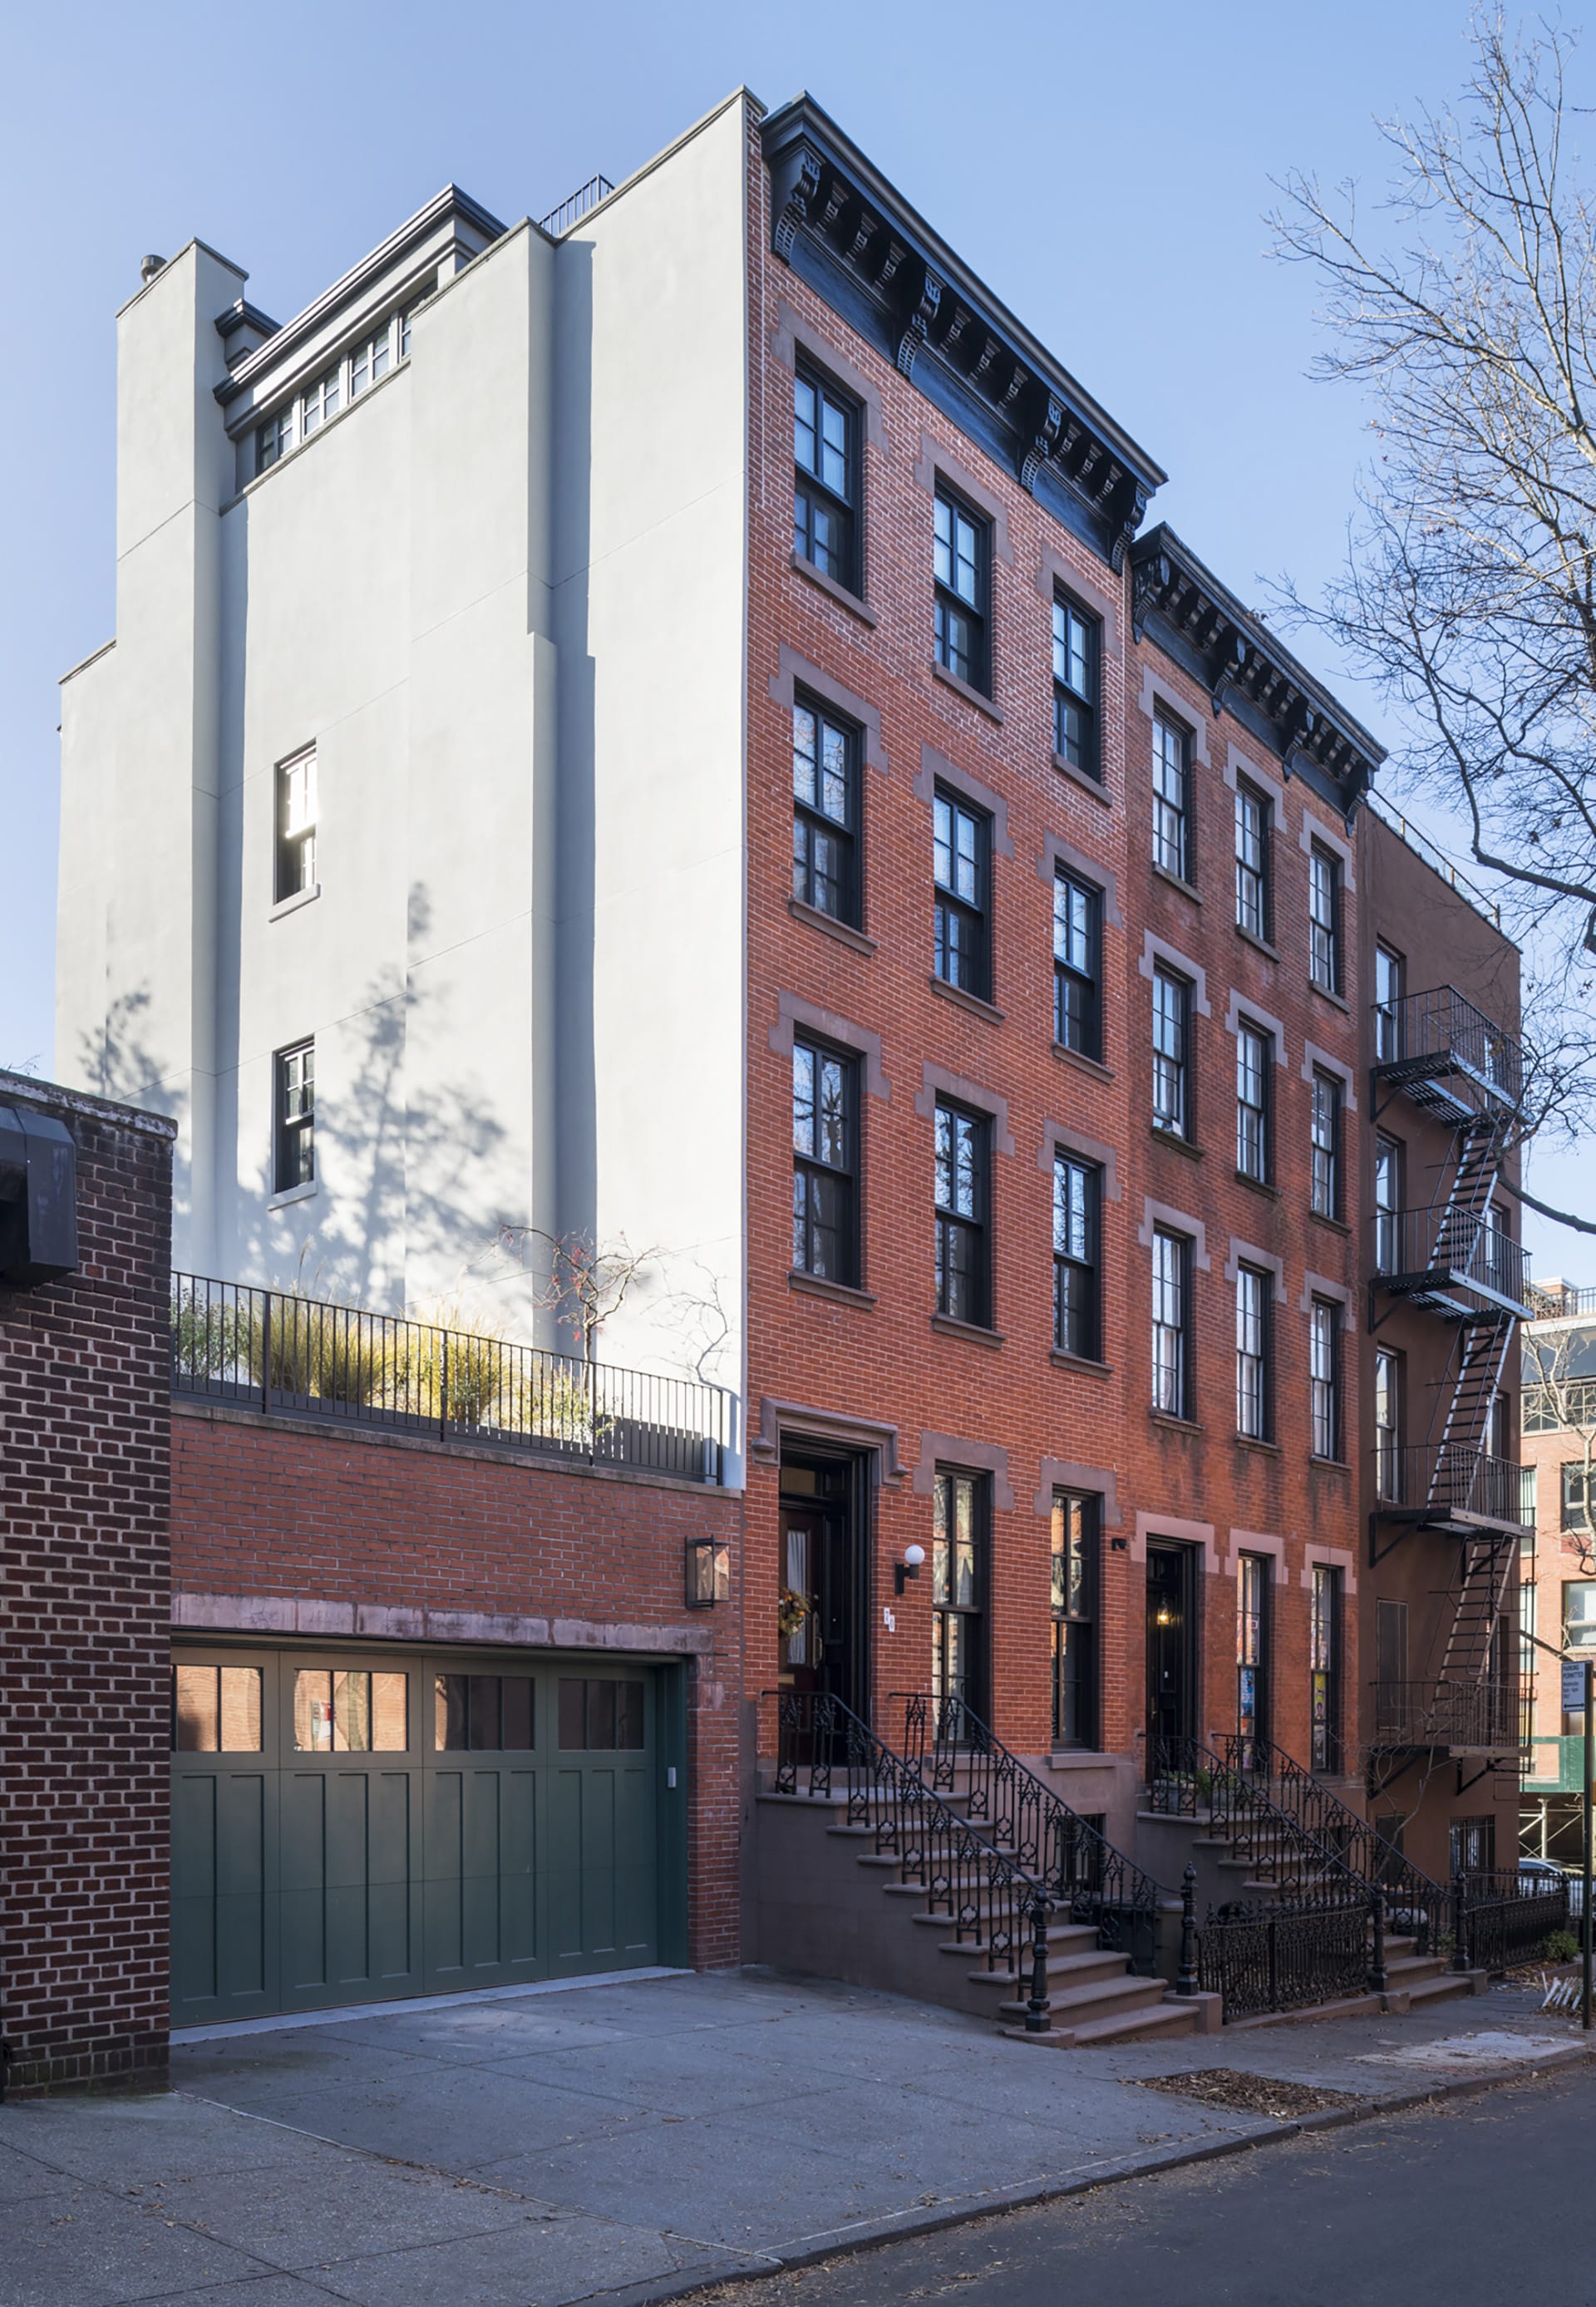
[(115, 1059)]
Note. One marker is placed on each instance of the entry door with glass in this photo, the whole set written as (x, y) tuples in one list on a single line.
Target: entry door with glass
[(819, 1608)]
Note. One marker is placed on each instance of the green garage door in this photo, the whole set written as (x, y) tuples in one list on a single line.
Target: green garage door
[(350, 1828)]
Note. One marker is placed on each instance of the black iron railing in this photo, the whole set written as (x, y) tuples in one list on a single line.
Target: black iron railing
[(1444, 1481), (1415, 1902), (1425, 1035), (1482, 1716), (1287, 1954), (1447, 1246), (1506, 1918), (820, 1747), (573, 210), (1187, 1779), (954, 1753), (271, 1350)]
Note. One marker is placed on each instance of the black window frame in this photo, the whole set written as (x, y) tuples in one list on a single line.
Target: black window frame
[(952, 912), (294, 1115), (1324, 960), (1247, 795), (1077, 986), (1077, 1255), (294, 849), (1388, 1164), (948, 603), (1387, 1389), (1392, 967), (1325, 1405), (812, 1171), (1254, 1598), (1325, 1651), (1326, 1100), (812, 490), (1082, 745), (813, 823), (1077, 1630), (1180, 1395), (970, 1694), (1255, 1346), (1175, 860), (1256, 1135), (963, 1286), (1167, 1067)]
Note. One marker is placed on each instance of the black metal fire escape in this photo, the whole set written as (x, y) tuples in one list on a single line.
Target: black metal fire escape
[(1454, 1260)]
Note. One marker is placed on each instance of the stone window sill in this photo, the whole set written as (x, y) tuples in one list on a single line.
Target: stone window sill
[(973, 1331), (1179, 1425), (1335, 999), (816, 1285), (1174, 881), (285, 905), (975, 697), (970, 1001), (1257, 1185), (841, 593), (1092, 1065), (1094, 785), (1330, 1225), (818, 919), (1176, 1144), (1331, 1465), (1257, 1442), (292, 1194), (1084, 1362), (1258, 944)]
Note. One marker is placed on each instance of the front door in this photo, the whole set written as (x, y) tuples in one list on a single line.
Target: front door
[(1172, 1708), (819, 1607)]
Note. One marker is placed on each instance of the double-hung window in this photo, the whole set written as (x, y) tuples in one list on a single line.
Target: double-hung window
[(369, 361), (963, 1275), (1171, 1024), (1172, 797), (1388, 1424), (295, 861), (826, 480), (1326, 1134), (962, 564), (960, 1522), (825, 1163), (1324, 1367), (1252, 862), (1171, 1323), (1075, 659), (1077, 965), (1390, 977), (961, 854), (825, 812), (1387, 1206), (1255, 1052), (1075, 1536), (1324, 1670), (293, 1117), (1078, 1195), (1253, 1308), (1252, 1657), (1323, 919)]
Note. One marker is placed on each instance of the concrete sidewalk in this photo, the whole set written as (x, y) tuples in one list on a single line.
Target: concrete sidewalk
[(635, 2140)]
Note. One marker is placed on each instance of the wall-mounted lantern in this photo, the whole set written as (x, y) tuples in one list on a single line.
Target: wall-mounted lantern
[(709, 1573), (909, 1567)]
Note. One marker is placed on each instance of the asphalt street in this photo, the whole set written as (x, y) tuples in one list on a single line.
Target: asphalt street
[(1475, 2200)]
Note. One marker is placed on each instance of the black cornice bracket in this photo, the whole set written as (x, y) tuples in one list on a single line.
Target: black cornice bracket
[(922, 301), (795, 187), (1043, 424)]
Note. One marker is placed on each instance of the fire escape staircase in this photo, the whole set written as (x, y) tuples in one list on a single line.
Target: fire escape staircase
[(1453, 1259)]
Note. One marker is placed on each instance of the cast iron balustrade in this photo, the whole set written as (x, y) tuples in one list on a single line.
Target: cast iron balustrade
[(269, 1349), (1456, 1718), (1187, 1779), (1415, 1901), (1430, 1255), (1315, 1947), (1506, 1919), (1449, 1486), (1449, 1056), (822, 1746), (954, 1752)]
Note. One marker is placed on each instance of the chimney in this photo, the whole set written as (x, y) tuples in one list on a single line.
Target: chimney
[(148, 266)]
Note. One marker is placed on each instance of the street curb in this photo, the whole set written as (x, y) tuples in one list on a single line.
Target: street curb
[(870, 2235)]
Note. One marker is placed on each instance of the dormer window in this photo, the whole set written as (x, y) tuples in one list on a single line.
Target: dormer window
[(364, 363)]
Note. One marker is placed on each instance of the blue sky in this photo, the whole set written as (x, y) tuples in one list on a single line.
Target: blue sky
[(1104, 168)]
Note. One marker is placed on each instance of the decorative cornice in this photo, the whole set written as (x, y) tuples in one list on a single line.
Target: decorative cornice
[(858, 243), (1244, 668)]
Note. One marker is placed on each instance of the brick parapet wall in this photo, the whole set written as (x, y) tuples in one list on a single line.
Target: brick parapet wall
[(84, 1725)]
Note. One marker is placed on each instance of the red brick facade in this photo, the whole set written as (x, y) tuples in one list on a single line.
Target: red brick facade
[(83, 1515)]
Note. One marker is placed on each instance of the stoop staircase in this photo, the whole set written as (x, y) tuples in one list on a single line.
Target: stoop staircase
[(872, 1873)]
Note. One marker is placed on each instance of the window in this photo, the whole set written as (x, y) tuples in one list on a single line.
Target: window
[(1254, 1307), (959, 1589), (364, 363), (350, 1712), (1077, 965), (1255, 1052), (1472, 1845), (1324, 1362), (216, 1710), (961, 856), (1076, 658), (826, 485), (1323, 919), (1171, 825), (1077, 1195), (1578, 1614), (294, 1133), (1529, 1497), (319, 400), (1324, 1670), (296, 862), (1172, 1292), (481, 1713), (963, 561), (1387, 1425), (1388, 1202), (274, 438), (1252, 862), (1172, 1016), (1391, 1669), (825, 1163), (962, 1281), (368, 362), (602, 1716), (825, 812), (1325, 1131), (1252, 1657), (1578, 1495), (1076, 1516), (1390, 976)]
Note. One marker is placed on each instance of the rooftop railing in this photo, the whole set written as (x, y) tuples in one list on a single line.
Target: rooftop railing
[(1435, 859), (573, 210), (274, 1350), (1559, 1301)]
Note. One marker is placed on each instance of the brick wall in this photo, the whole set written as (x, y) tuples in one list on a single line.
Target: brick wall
[(85, 1725), (283, 1526)]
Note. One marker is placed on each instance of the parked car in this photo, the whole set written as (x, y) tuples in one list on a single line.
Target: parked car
[(1541, 1874)]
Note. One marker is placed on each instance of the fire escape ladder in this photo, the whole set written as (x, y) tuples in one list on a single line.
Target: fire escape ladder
[(1470, 1650), (1483, 1344), (1466, 1210)]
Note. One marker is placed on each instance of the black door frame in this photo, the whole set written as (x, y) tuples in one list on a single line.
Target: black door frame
[(853, 1685), (1188, 1650)]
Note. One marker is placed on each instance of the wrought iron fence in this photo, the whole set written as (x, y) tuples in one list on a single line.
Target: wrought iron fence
[(272, 1350), (821, 1747), (1274, 1956), (1479, 1715), (1506, 1919), (954, 1753), (1454, 1243), (573, 210), (1412, 1033), (1188, 1779)]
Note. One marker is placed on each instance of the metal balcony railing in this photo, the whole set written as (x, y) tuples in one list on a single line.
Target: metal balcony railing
[(1442, 1483), (271, 1350), (1478, 1718), (1442, 1248), (1426, 1037), (1561, 1302), (573, 210)]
